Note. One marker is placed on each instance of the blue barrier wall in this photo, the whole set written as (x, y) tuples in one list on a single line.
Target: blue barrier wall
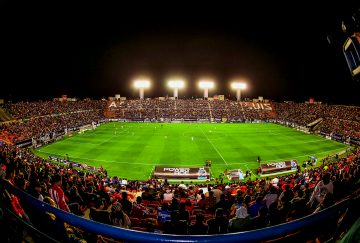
[(136, 236)]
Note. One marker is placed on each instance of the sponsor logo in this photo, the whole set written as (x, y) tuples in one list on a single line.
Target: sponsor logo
[(277, 165), (178, 171)]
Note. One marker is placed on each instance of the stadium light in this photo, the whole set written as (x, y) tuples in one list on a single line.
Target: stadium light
[(238, 86), (141, 85), (206, 85), (176, 85)]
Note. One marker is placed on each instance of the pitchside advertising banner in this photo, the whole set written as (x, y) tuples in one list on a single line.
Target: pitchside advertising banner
[(24, 143), (355, 141), (274, 167), (170, 172)]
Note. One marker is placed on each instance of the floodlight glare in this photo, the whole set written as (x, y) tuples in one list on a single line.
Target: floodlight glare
[(142, 83), (206, 84), (238, 85), (176, 84)]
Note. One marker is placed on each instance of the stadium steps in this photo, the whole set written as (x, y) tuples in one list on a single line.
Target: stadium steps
[(4, 116), (314, 123), (273, 112), (317, 126), (210, 112)]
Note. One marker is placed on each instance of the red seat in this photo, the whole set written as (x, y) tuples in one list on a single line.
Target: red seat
[(196, 211), (145, 202), (135, 222), (151, 216), (208, 216)]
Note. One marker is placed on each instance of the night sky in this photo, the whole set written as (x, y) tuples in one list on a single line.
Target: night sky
[(282, 51)]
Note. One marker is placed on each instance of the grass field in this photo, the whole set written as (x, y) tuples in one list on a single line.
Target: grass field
[(131, 150)]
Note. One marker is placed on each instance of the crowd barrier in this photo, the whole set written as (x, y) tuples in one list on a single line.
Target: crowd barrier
[(126, 235)]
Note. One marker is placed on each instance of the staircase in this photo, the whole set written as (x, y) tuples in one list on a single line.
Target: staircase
[(317, 126), (4, 116), (313, 123), (210, 113)]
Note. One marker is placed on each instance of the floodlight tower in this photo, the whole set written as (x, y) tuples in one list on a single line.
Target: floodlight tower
[(238, 86), (206, 85), (176, 85), (141, 85)]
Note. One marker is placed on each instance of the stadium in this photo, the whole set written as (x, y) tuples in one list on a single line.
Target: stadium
[(205, 165)]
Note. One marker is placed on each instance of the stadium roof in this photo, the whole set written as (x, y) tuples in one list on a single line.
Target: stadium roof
[(286, 51)]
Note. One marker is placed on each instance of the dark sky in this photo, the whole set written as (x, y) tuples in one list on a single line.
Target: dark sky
[(83, 50)]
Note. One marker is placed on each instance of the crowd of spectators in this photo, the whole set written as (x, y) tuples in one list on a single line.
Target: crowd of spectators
[(46, 125), (338, 119), (37, 119), (157, 206), (23, 110), (193, 109)]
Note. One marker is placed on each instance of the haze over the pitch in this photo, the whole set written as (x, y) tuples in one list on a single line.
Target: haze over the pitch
[(96, 51)]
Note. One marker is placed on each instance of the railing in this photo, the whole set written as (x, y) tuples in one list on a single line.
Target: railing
[(267, 234)]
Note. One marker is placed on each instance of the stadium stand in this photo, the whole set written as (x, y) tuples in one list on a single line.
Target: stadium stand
[(4, 117), (250, 205)]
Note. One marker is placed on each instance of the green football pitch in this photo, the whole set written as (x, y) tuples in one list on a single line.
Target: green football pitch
[(131, 150)]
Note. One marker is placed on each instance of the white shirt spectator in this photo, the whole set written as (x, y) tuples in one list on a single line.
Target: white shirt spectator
[(168, 196), (275, 181)]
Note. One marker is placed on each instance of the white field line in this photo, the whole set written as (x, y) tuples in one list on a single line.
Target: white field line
[(151, 171), (213, 146), (102, 142)]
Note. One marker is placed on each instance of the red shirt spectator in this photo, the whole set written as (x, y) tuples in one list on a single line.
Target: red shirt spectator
[(57, 193)]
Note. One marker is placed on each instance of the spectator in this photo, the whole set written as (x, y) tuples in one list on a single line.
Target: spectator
[(211, 201), (139, 209), (35, 190), (298, 205), (163, 213), (255, 206), (271, 196), (324, 186), (175, 225), (260, 221), (125, 203), (57, 194), (183, 213), (223, 203), (199, 227), (118, 217), (219, 224), (240, 222), (168, 195), (202, 203)]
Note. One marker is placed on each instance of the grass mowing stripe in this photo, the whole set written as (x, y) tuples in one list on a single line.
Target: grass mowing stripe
[(137, 147), (213, 146), (282, 159), (102, 160)]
